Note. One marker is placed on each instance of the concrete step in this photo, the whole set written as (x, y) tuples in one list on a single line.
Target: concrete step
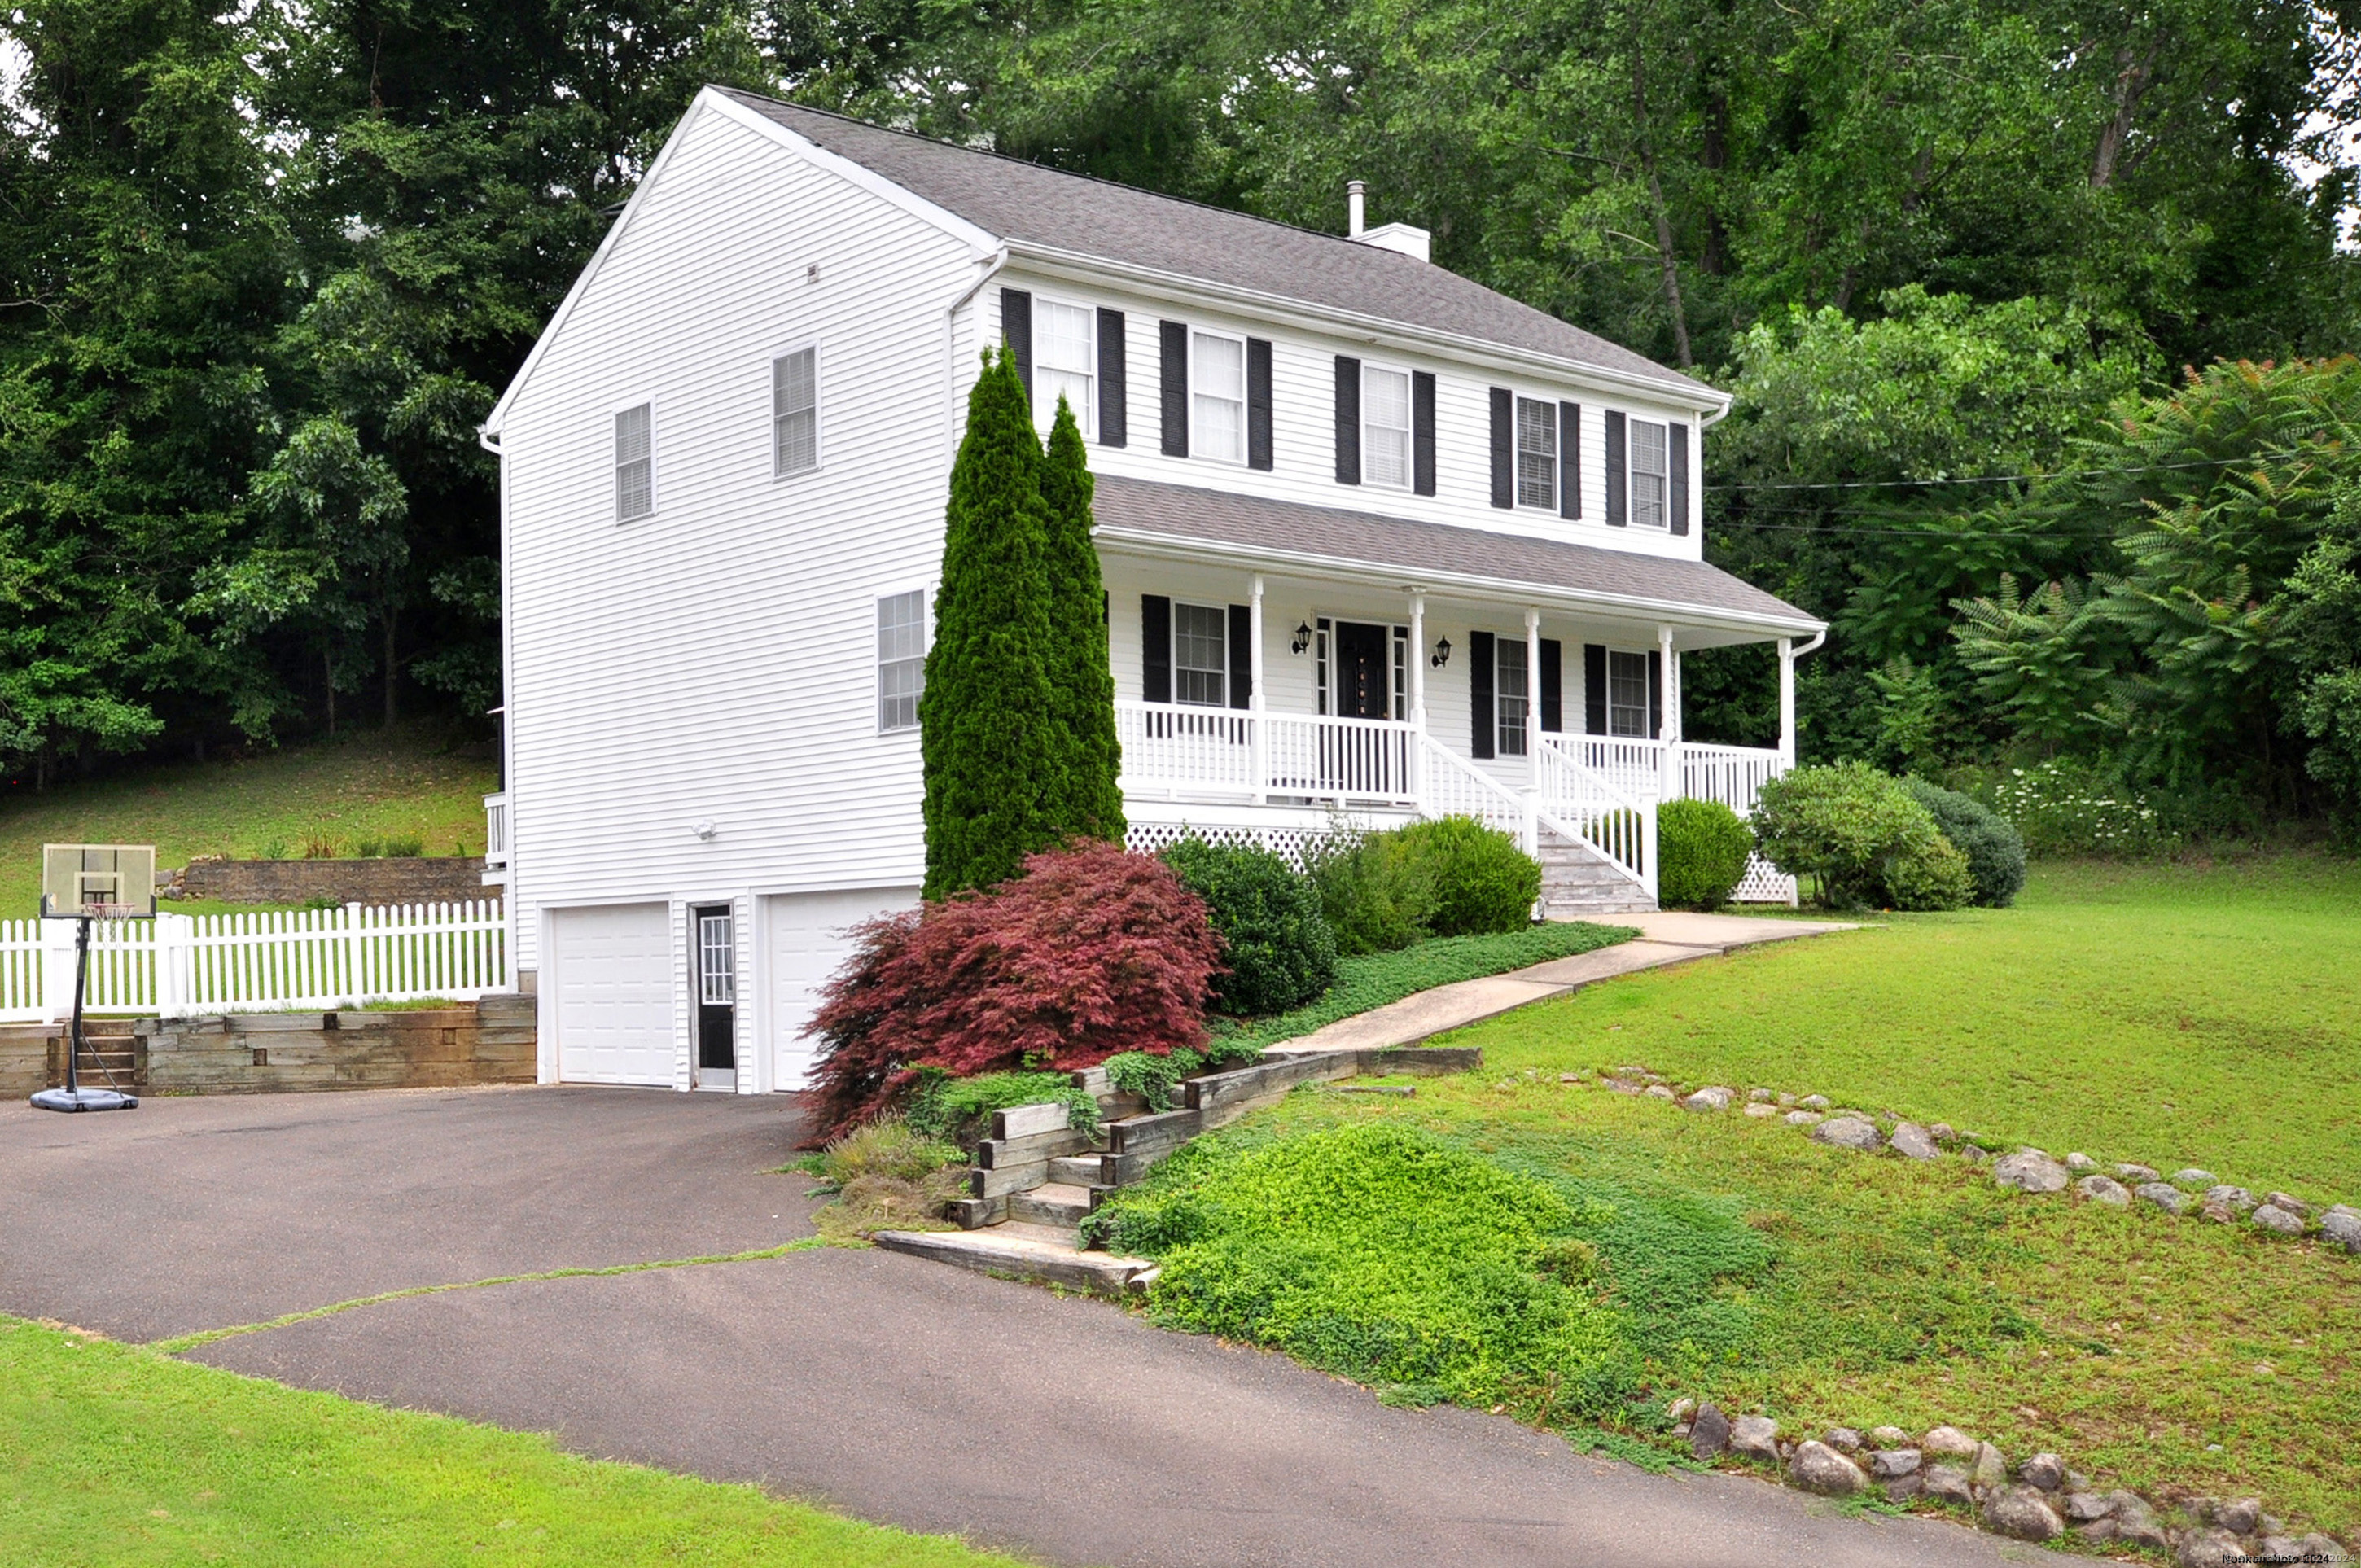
[(1058, 1203), (1028, 1252)]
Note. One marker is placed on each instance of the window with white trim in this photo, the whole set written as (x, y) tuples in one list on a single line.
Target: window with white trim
[(1509, 693), (795, 413), (1201, 654), (1065, 361), (635, 462), (1650, 471), (1627, 694), (1536, 454), (717, 960), (1384, 427), (1217, 396), (901, 659)]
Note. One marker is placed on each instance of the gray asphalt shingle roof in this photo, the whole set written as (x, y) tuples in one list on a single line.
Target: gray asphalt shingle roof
[(1021, 201), (1183, 513)]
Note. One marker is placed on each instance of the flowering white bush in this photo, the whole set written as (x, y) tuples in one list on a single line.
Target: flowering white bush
[(2063, 808)]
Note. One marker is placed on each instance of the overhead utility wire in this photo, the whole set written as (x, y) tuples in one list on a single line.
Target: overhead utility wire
[(2008, 478)]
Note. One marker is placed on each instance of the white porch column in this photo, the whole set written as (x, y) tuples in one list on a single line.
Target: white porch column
[(1786, 703), (1257, 745), (1532, 727), (1416, 749), (1668, 786)]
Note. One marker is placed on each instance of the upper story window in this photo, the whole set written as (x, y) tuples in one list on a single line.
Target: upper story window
[(1509, 693), (1651, 474), (1065, 363), (795, 413), (1384, 427), (1627, 692), (1536, 454), (901, 659), (1217, 396), (1201, 654), (635, 462)]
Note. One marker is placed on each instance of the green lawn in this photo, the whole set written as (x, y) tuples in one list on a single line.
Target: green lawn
[(410, 782), (114, 1455)]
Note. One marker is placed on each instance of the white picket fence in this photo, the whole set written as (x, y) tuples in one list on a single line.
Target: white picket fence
[(176, 966)]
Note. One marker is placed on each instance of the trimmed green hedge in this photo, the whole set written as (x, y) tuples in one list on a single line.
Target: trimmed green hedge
[(1701, 851)]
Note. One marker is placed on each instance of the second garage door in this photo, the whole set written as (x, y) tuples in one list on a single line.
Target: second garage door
[(613, 977), (807, 944)]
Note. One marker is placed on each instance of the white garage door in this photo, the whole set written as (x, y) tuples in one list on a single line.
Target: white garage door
[(614, 993), (808, 946)]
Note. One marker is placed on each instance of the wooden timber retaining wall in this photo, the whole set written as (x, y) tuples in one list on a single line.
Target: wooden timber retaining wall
[(449, 879), (491, 1041)]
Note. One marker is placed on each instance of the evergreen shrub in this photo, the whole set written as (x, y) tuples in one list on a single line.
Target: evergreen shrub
[(1994, 850), (1083, 794), (1375, 896), (1856, 830), (1482, 882), (1280, 948), (1702, 848)]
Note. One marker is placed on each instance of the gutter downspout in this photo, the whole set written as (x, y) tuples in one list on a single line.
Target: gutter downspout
[(991, 266)]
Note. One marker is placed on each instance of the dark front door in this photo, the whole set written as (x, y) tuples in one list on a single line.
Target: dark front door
[(1363, 661), (715, 978)]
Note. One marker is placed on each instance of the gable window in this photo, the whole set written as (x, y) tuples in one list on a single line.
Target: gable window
[(1384, 427), (1536, 454), (1509, 689), (636, 462), (1650, 473), (1627, 693), (1201, 654), (1217, 396), (794, 413), (901, 659), (1065, 363)]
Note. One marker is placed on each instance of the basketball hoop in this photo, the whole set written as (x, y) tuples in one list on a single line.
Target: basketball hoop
[(87, 882)]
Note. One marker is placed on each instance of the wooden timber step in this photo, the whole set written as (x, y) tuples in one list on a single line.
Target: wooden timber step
[(1055, 1203), (1035, 1253), (1077, 1169)]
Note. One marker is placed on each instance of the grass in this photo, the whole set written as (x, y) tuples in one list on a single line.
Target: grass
[(376, 785), (116, 1455)]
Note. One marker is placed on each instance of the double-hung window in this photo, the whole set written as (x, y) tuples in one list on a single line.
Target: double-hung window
[(1384, 427), (1627, 694), (795, 413), (1650, 475), (1536, 454), (635, 462), (901, 660), (1217, 396), (1509, 693), (1201, 654), (1065, 363)]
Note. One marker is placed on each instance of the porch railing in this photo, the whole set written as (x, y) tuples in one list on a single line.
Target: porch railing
[(496, 831), (1230, 754), (1619, 825)]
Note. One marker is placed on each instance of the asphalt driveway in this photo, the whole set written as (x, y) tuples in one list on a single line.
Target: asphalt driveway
[(892, 1388)]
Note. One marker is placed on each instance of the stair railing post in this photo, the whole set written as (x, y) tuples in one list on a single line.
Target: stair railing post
[(172, 964)]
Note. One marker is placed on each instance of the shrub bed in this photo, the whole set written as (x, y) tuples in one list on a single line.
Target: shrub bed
[(1702, 848), (1994, 850), (1276, 941), (1863, 838), (1481, 882)]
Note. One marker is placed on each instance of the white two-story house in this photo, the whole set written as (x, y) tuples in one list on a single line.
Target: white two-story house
[(1377, 542)]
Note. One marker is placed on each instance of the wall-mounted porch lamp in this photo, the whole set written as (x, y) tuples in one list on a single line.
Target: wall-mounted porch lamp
[(1302, 639), (1441, 652)]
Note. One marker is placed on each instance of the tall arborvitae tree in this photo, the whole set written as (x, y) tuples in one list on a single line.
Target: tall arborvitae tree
[(987, 730), (1085, 799)]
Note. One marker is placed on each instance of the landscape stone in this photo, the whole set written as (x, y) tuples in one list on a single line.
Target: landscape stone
[(2192, 1176), (1759, 1109), (1991, 1469), (2045, 1471), (2136, 1522), (1892, 1464), (2279, 1548), (1971, 1152), (2220, 1213), (2347, 1209), (1712, 1097), (2240, 1516), (2209, 1549), (1947, 1484), (1756, 1437), (2083, 1507), (1912, 1141), (1949, 1442), (2077, 1482), (1816, 1467), (1943, 1133), (1902, 1489), (1681, 1409), (2237, 1198), (2020, 1513), (2345, 1230), (2136, 1172), (1803, 1118), (1844, 1440), (2318, 1548), (2169, 1199), (1850, 1133), (2081, 1163), (2271, 1217), (1571, 1078), (1889, 1437), (2292, 1205), (2030, 1170), (1659, 1090), (1760, 1096), (2104, 1189), (1709, 1433), (2098, 1530), (1814, 1103), (1785, 1100)]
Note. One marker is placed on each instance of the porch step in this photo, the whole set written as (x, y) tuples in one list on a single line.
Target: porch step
[(1578, 880), (1059, 1203)]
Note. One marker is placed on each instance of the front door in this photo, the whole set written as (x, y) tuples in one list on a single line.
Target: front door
[(1363, 658), (1363, 764), (716, 980)]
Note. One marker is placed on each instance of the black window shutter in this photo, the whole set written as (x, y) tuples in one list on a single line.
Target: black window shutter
[(1241, 655), (1594, 689), (1676, 454), (1258, 402), (1504, 450), (1155, 648), (1112, 410), (1479, 694), (1569, 460), (1552, 685), (1421, 432), (1348, 420), (1617, 516), (1173, 337), (1016, 328), (1656, 695)]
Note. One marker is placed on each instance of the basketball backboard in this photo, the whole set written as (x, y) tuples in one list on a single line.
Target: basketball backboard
[(99, 881)]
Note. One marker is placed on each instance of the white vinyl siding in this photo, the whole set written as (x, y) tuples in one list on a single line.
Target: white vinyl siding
[(1536, 454), (1648, 474), (1384, 427), (1627, 694), (795, 413), (901, 660), (1201, 654), (635, 462), (1217, 396), (1065, 364), (1509, 695)]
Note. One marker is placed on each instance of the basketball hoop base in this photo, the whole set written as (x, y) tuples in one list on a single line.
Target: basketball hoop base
[(84, 1099)]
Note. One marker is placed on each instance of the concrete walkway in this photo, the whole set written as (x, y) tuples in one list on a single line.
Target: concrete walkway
[(1672, 937)]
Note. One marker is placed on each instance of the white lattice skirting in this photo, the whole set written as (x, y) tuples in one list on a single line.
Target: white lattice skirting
[(1288, 843), (1764, 883)]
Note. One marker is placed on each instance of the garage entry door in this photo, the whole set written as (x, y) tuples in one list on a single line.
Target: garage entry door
[(614, 993), (807, 944)]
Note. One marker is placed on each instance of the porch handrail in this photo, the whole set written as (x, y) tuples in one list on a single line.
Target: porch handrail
[(1585, 806), (1730, 775), (1456, 787)]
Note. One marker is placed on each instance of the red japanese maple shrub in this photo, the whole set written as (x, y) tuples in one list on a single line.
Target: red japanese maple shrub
[(1092, 951)]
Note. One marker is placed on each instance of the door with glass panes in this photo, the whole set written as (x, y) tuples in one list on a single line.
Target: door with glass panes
[(715, 982)]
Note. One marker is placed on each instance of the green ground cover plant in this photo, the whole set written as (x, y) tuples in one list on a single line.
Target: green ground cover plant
[(115, 1455)]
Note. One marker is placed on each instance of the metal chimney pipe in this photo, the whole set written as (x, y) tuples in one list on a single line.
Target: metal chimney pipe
[(1355, 220)]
